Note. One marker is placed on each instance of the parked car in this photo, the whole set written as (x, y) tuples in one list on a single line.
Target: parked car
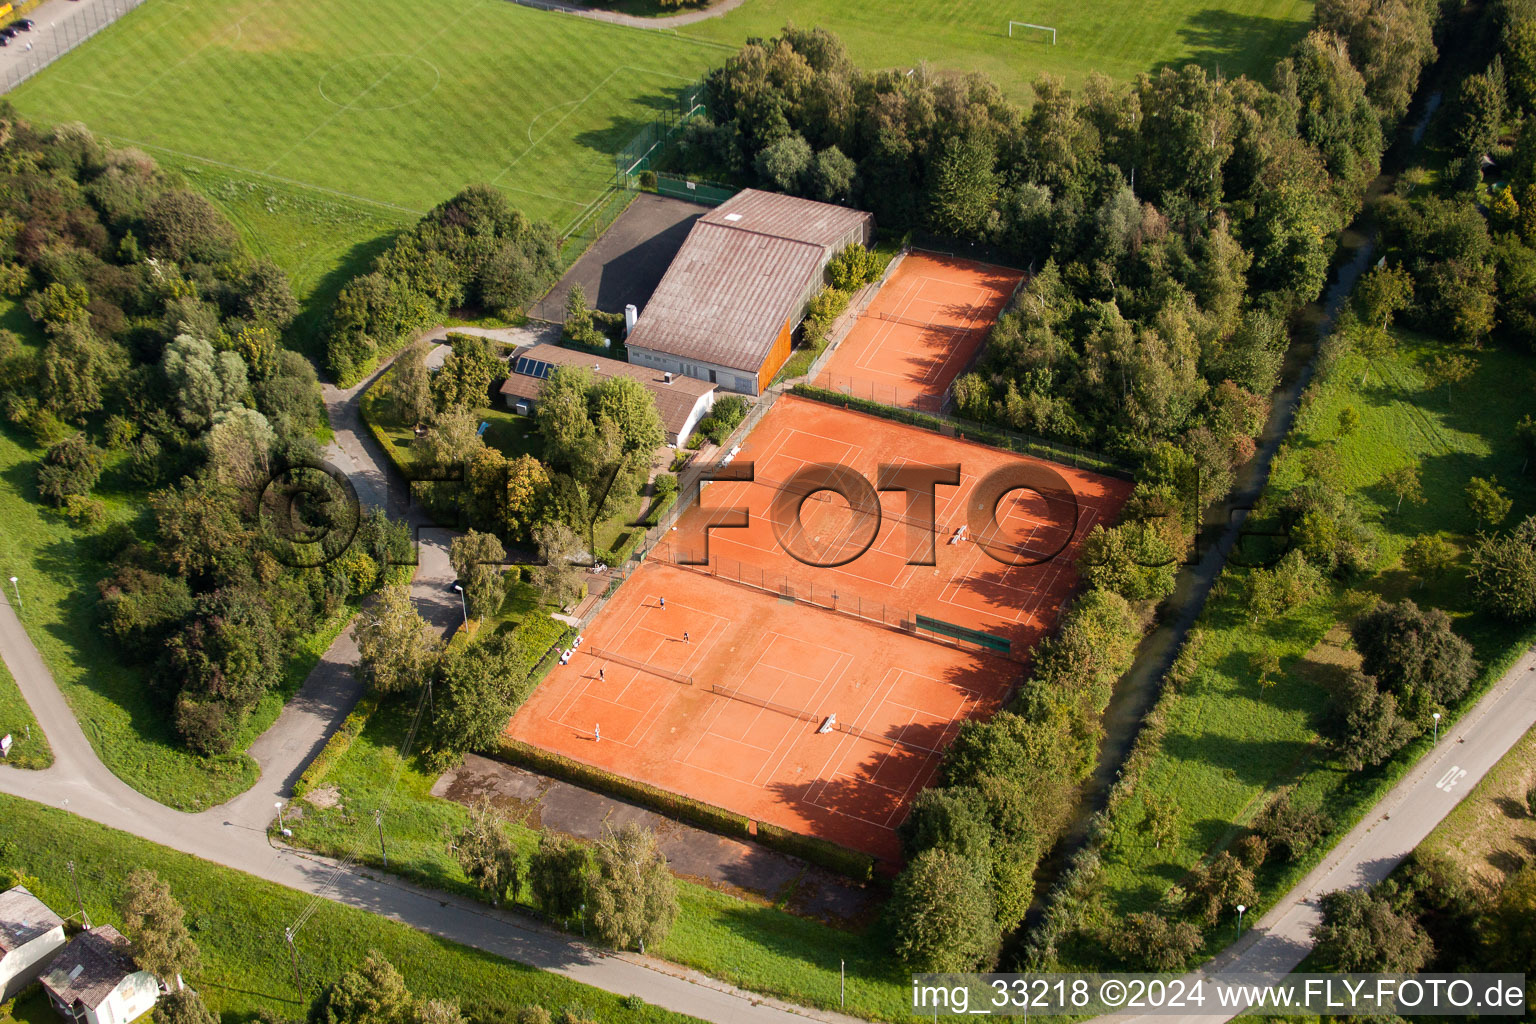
[(5, 40), (25, 24), (10, 32)]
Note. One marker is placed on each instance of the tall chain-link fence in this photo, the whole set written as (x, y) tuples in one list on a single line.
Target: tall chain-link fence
[(30, 52)]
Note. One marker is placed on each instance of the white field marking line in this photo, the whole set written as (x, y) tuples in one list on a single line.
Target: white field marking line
[(584, 728), (956, 333), (788, 740), (579, 103), (262, 174), (647, 710), (396, 66), (541, 113), (879, 692), (1038, 590), (238, 28)]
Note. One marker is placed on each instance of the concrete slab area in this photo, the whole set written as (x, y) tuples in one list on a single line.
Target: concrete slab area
[(717, 861), (626, 264)]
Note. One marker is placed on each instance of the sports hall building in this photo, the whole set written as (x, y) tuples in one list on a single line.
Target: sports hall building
[(728, 306)]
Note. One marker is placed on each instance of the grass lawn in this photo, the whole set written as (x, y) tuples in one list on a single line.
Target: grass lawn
[(509, 433), (1491, 834), (1120, 38), (238, 921), (321, 240), (322, 128), (29, 746), (1228, 743), (750, 944)]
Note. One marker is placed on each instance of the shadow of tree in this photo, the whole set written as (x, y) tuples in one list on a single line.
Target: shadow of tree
[(1237, 44)]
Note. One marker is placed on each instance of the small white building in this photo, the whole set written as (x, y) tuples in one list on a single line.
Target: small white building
[(30, 934), (94, 980)]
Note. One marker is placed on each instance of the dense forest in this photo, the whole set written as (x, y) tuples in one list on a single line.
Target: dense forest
[(159, 368), (1173, 225)]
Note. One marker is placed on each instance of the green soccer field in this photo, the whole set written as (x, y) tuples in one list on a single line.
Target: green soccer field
[(393, 104), (1118, 37)]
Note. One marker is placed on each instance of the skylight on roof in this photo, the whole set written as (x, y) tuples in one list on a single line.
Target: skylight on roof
[(733, 216)]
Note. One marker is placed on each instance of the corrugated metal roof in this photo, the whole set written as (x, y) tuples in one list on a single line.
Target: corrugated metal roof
[(799, 220), (90, 967), (736, 281), (674, 401), (23, 917)]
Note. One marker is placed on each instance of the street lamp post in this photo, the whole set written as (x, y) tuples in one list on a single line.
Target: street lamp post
[(463, 605), (16, 587), (1437, 727), (1240, 909), (281, 825)]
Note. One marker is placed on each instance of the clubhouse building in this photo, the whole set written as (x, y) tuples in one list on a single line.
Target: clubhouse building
[(728, 306)]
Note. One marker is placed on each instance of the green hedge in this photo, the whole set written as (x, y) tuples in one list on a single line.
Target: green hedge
[(536, 643), (337, 745), (856, 865), (972, 431)]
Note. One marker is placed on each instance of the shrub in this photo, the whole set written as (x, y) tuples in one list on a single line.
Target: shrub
[(940, 916), (1290, 830), (852, 268), (351, 727), (1503, 572), (71, 467), (822, 312), (1152, 941)]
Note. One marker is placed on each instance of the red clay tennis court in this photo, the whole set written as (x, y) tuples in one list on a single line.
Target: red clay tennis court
[(966, 586), (734, 715), (923, 328)]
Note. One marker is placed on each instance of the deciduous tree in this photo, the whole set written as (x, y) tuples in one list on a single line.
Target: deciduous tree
[(634, 896), (1404, 485), (477, 559), (153, 920), (1503, 572), (1489, 502), (558, 875), (1361, 932), (941, 916), (397, 650), (487, 854)]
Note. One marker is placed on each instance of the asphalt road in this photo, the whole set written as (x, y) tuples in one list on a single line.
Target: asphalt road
[(1281, 939)]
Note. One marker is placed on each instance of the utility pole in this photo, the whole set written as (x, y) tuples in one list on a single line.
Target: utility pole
[(378, 819), (293, 950), (75, 882)]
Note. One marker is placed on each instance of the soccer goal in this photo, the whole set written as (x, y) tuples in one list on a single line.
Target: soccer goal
[(1037, 28)]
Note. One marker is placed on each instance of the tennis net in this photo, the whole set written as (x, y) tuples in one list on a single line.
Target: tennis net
[(655, 670), (809, 716), (747, 698)]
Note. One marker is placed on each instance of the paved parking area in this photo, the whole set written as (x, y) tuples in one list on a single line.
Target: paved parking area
[(626, 264), (61, 25)]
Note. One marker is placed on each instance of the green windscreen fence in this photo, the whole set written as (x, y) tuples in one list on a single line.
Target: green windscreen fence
[(706, 192), (987, 641)]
